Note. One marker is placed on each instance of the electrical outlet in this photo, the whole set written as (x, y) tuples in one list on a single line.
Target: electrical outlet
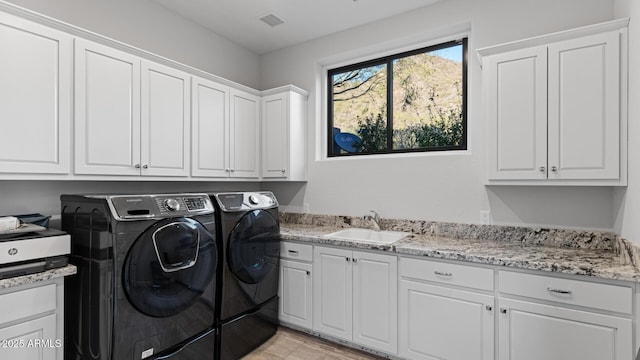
[(485, 217), (305, 208)]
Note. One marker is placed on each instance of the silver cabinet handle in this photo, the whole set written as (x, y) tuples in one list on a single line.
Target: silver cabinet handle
[(355, 260), (284, 171), (145, 166), (554, 168), (440, 273), (559, 291), (488, 307), (293, 252), (137, 166), (308, 272), (233, 170), (503, 310), (543, 169), (348, 259)]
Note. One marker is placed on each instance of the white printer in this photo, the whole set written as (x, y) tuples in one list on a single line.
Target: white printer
[(32, 249)]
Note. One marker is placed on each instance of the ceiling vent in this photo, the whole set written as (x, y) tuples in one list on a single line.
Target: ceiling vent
[(271, 20)]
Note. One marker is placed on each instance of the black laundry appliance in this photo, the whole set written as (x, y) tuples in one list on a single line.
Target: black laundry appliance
[(248, 282), (146, 281)]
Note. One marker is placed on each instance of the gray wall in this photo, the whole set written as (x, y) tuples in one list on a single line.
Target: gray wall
[(441, 186)]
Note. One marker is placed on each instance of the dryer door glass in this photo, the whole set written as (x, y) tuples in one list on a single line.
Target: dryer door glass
[(254, 246), (169, 267)]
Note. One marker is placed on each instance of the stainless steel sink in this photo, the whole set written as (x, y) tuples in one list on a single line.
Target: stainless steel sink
[(367, 235)]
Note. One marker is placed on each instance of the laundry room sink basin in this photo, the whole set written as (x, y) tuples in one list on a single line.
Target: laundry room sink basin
[(367, 235)]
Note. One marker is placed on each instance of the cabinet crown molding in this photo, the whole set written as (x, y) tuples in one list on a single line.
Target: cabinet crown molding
[(553, 37)]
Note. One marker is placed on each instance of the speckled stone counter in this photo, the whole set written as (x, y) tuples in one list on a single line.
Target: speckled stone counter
[(587, 253), (41, 276)]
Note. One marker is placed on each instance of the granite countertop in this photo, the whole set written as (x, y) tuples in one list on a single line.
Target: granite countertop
[(41, 276), (599, 263)]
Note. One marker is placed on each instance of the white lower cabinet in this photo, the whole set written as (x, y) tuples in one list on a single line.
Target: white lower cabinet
[(442, 322), (295, 288), (355, 297), (531, 330), (31, 323)]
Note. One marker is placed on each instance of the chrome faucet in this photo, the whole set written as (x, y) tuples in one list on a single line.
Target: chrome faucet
[(374, 217)]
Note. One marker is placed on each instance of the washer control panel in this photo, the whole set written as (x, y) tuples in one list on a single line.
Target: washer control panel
[(135, 207), (230, 202)]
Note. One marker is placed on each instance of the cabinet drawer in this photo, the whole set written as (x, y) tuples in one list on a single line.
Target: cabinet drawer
[(453, 274), (25, 303), (289, 250), (581, 293)]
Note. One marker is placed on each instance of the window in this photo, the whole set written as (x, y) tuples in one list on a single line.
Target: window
[(408, 102)]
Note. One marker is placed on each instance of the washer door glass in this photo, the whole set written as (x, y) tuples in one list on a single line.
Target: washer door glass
[(254, 246), (169, 267)]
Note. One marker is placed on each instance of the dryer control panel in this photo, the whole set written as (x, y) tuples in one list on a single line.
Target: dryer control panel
[(243, 201), (136, 207)]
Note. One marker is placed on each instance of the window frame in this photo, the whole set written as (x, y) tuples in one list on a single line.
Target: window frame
[(388, 61)]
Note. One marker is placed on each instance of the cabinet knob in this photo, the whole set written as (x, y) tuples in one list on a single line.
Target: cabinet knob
[(227, 170), (503, 310), (348, 259), (355, 260), (308, 272), (145, 166), (284, 171), (488, 307), (554, 168), (543, 169), (137, 166), (233, 170)]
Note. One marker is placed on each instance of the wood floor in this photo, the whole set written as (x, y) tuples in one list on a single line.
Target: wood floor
[(292, 345)]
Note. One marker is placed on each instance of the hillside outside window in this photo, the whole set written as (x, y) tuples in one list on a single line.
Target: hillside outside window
[(408, 102)]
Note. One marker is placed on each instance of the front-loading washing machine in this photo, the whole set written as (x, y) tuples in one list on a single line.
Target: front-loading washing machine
[(248, 280), (146, 281)]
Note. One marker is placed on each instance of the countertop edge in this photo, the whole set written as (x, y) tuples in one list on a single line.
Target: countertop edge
[(37, 277), (614, 271)]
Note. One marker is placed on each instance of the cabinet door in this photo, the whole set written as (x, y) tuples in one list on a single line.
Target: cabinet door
[(244, 134), (30, 340), (584, 108), (165, 120), (275, 139), (296, 293), (529, 331), (35, 97), (332, 292), (517, 113), (442, 323), (210, 129), (107, 110), (375, 301)]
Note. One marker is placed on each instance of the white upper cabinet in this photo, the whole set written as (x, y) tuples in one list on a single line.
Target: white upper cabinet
[(132, 115), (244, 134), (107, 110), (35, 97), (556, 108), (284, 134), (584, 107), (518, 114), (210, 128), (165, 121), (225, 135)]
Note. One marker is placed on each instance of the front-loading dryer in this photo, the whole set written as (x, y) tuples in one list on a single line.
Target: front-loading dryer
[(248, 280), (146, 282)]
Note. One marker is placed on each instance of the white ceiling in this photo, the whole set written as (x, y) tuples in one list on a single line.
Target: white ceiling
[(238, 20)]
